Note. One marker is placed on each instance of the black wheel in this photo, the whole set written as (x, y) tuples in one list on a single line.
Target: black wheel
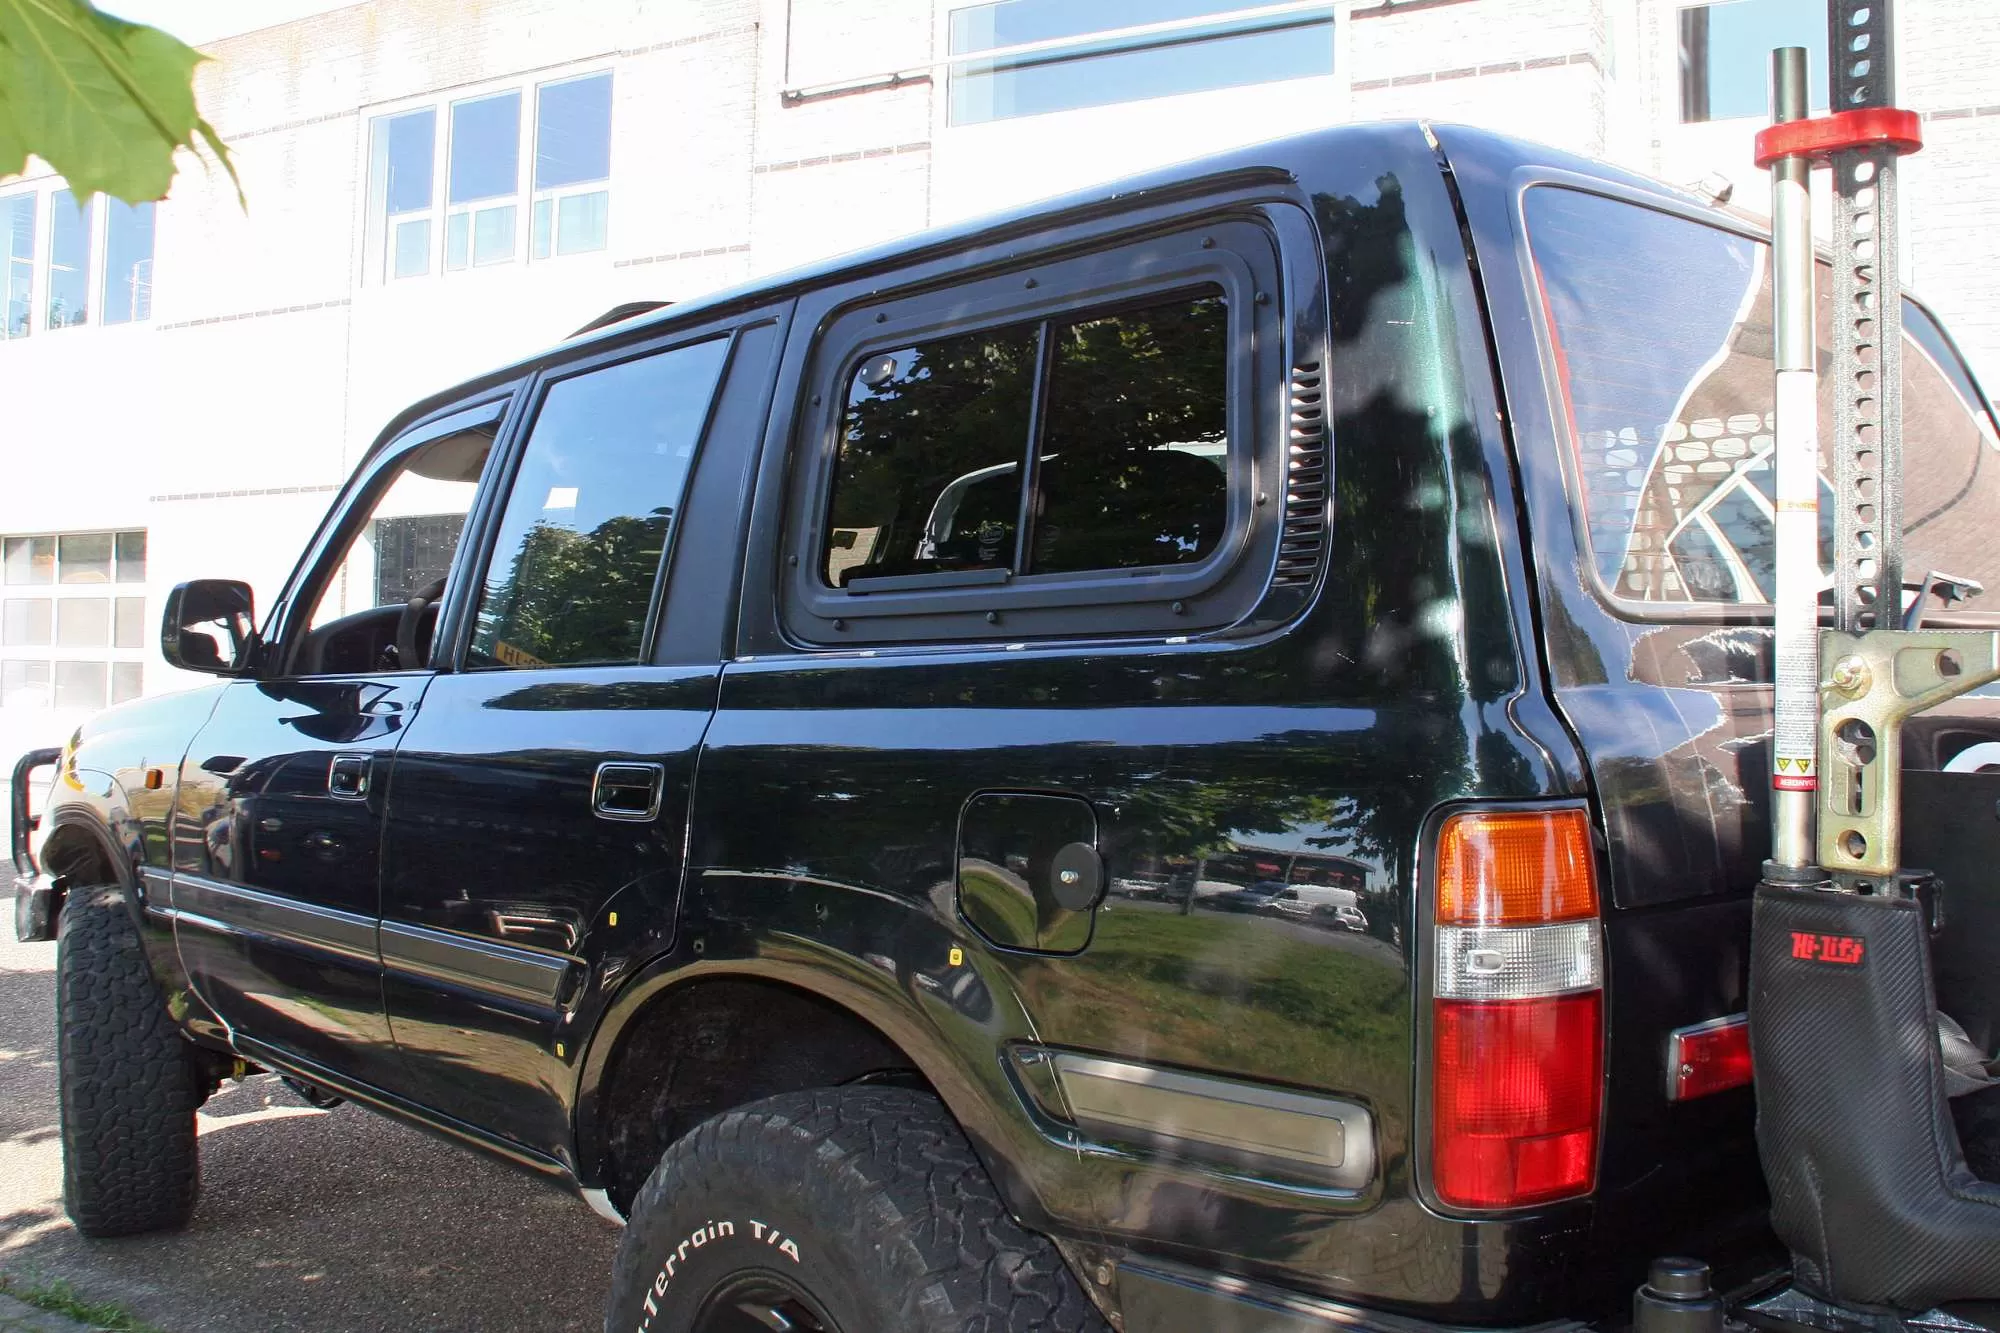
[(845, 1210), (128, 1083)]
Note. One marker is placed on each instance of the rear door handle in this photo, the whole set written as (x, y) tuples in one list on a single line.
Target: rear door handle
[(347, 777), (628, 791)]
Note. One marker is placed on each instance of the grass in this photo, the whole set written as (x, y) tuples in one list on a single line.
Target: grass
[(58, 1297)]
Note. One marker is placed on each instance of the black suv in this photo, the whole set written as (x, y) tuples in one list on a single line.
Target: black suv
[(794, 766)]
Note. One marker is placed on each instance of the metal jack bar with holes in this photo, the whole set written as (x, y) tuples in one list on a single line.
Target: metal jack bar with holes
[(1843, 694)]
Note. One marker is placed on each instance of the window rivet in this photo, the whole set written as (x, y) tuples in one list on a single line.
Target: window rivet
[(1263, 298), (992, 617), (1032, 283), (817, 400), (1208, 242), (1180, 608), (881, 317), (839, 624), (1262, 498), (792, 560)]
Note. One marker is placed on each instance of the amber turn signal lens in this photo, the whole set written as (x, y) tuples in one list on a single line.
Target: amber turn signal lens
[(1515, 868)]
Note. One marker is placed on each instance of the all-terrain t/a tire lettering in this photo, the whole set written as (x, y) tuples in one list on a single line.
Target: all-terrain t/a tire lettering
[(860, 1209), (128, 1081)]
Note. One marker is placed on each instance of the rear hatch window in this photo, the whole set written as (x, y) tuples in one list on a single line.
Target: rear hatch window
[(1663, 344)]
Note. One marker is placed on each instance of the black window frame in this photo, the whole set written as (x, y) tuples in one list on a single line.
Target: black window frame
[(1237, 253), (288, 623), (456, 624)]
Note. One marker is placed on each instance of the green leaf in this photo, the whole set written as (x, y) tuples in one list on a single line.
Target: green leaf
[(104, 102)]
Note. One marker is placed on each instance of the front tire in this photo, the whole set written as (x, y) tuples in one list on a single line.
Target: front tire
[(844, 1210), (128, 1082)]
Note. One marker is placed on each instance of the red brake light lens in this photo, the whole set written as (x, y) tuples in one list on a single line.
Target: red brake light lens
[(1516, 1087), (1712, 1057)]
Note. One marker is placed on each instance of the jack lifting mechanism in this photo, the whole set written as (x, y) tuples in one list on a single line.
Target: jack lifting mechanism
[(1888, 1228)]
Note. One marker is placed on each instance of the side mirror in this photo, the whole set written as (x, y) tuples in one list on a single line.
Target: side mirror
[(198, 613)]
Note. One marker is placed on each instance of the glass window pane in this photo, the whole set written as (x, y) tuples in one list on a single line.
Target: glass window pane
[(86, 558), (24, 685), (1225, 53), (26, 622), (929, 474), (128, 262), (406, 545), (412, 248), (84, 622), (485, 148), (1726, 53), (458, 241), (542, 229), (80, 685), (31, 559), (592, 511), (580, 224), (128, 681), (1133, 465), (407, 144), (132, 557), (493, 235), (573, 132), (17, 283), (69, 260), (131, 623), (1671, 408)]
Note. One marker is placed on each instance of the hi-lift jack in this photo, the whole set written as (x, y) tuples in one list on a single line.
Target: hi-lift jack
[(1888, 1228)]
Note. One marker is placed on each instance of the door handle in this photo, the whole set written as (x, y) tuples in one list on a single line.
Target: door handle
[(347, 777), (627, 791)]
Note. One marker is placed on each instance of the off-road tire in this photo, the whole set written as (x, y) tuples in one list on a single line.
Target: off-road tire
[(868, 1200), (129, 1083)]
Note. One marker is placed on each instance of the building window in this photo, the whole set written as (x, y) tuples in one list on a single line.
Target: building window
[(485, 141), (1055, 55), (572, 163), (69, 259), (17, 227), (1726, 55), (484, 181), (128, 262), (73, 620)]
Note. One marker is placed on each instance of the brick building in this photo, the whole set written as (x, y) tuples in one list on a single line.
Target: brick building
[(437, 186)]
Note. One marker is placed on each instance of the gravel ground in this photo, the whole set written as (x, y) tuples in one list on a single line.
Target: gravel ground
[(321, 1220)]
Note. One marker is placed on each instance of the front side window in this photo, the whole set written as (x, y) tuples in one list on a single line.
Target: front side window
[(69, 260), (1725, 51), (483, 181), (1057, 55), (1671, 409), (359, 603), (17, 281), (944, 472), (592, 512), (572, 163)]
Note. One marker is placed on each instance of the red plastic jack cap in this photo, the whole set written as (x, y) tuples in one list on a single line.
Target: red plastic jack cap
[(1823, 136)]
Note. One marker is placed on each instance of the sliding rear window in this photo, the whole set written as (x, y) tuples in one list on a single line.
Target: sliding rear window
[(1661, 330)]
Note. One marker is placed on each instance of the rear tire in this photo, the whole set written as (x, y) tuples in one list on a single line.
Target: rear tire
[(128, 1082), (845, 1210)]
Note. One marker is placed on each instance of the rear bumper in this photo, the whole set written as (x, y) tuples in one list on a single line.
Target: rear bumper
[(36, 899), (1160, 1297)]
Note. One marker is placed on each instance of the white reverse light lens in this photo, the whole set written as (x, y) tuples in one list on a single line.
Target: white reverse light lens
[(1517, 962)]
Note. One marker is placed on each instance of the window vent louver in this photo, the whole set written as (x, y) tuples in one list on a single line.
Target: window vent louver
[(1303, 542)]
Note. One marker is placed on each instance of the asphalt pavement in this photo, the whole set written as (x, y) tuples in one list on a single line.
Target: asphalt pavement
[(315, 1220)]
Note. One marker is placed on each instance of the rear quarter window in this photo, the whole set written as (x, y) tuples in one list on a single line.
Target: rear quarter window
[(1660, 330)]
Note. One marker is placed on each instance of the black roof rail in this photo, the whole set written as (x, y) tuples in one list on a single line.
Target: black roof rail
[(619, 313)]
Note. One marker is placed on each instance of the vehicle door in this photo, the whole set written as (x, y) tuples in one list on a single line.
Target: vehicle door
[(537, 809), (278, 811)]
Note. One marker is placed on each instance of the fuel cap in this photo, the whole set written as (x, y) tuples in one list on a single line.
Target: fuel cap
[(1076, 877)]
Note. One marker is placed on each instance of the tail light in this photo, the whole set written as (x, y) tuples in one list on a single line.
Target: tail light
[(1517, 1032)]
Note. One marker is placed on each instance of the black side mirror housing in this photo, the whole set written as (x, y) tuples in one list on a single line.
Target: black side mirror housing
[(197, 613)]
